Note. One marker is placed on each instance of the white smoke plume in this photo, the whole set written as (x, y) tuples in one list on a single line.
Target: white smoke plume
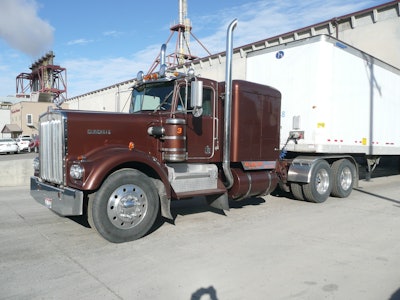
[(23, 29)]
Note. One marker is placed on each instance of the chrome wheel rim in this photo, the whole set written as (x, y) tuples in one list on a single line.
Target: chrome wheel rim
[(345, 179), (322, 181), (127, 206)]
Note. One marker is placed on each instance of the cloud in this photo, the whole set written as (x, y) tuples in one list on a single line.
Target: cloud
[(79, 42), (86, 75), (112, 33), (264, 19), (22, 29), (83, 41), (257, 21)]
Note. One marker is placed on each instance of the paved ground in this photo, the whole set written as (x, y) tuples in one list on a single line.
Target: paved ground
[(265, 248), (18, 156)]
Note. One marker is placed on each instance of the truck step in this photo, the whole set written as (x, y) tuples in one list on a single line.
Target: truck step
[(192, 177)]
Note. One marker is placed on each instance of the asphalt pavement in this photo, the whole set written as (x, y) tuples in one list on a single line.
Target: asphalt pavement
[(263, 248), (18, 156)]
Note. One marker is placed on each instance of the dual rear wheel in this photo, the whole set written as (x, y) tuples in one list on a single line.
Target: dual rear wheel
[(336, 180)]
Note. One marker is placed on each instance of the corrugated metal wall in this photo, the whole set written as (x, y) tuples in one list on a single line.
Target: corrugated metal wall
[(375, 31)]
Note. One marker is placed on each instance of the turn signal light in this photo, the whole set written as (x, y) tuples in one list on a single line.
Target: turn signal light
[(151, 76)]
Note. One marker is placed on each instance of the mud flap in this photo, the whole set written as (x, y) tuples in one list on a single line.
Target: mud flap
[(218, 201), (165, 202)]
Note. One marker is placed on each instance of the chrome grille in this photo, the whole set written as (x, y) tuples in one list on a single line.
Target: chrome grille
[(52, 147)]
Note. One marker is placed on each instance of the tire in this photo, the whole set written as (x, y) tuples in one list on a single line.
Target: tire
[(343, 172), (125, 207), (297, 191), (320, 186)]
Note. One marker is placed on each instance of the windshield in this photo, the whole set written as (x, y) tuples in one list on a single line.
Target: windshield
[(152, 97)]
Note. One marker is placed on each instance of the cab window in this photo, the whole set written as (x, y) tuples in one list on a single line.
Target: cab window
[(207, 99), (152, 97)]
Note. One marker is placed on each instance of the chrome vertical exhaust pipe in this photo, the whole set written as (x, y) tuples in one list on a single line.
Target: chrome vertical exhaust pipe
[(163, 66), (228, 106), (162, 54)]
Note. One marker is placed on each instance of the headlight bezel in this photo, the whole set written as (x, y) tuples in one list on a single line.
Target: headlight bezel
[(76, 171)]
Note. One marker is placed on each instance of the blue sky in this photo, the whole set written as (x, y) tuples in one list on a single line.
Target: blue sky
[(101, 43)]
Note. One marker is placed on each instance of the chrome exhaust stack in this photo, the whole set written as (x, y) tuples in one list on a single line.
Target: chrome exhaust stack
[(163, 66), (228, 106), (162, 54)]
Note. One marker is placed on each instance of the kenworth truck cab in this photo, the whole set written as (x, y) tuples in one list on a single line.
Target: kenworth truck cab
[(184, 136)]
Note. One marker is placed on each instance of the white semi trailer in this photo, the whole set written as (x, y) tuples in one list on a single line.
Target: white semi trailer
[(339, 104), (336, 99)]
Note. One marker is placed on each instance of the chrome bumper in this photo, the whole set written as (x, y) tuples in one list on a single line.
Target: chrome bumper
[(64, 201)]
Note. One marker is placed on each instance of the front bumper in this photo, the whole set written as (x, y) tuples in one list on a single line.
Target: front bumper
[(63, 201)]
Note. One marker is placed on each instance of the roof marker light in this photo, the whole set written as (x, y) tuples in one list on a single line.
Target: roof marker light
[(139, 76)]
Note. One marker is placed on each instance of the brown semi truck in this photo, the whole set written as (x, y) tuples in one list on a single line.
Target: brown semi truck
[(184, 136)]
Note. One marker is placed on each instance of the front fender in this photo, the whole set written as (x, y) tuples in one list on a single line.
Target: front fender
[(99, 164)]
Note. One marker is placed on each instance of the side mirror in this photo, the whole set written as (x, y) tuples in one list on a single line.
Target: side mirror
[(196, 97)]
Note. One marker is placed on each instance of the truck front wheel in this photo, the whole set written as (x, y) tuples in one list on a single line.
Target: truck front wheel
[(125, 207), (320, 185)]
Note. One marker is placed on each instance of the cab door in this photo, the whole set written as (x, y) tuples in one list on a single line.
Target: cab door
[(202, 134)]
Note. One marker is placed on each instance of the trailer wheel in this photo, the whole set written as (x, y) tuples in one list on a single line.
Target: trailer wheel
[(343, 172), (297, 191), (320, 185), (125, 207)]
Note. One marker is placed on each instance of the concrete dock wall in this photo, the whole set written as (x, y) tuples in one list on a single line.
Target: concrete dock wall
[(16, 172)]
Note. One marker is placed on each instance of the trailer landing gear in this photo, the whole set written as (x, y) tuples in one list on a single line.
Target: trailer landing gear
[(372, 162)]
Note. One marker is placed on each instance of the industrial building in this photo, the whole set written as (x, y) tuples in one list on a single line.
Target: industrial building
[(374, 31), (35, 92)]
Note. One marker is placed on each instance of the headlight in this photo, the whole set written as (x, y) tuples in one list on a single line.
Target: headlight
[(36, 164), (76, 171)]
